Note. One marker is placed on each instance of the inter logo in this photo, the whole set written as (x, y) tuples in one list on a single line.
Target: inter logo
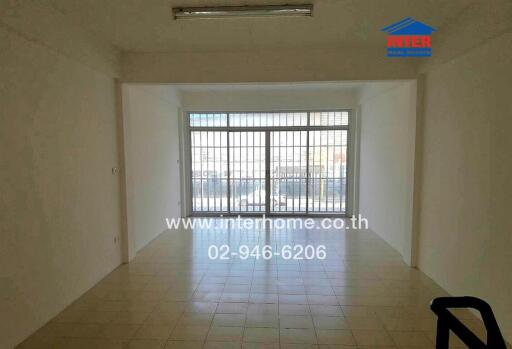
[(409, 38)]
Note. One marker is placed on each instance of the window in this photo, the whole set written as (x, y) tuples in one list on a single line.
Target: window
[(269, 162)]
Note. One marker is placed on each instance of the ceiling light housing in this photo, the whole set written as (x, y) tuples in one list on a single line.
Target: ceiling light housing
[(305, 10)]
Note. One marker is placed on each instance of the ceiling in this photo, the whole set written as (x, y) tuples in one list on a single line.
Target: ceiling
[(148, 26)]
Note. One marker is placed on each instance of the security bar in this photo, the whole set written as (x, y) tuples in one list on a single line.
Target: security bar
[(269, 162)]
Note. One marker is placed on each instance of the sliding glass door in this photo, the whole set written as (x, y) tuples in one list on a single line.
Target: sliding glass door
[(288, 171), (209, 171), (273, 163), (327, 171), (247, 172)]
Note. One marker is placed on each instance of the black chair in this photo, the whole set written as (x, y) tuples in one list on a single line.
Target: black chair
[(447, 322)]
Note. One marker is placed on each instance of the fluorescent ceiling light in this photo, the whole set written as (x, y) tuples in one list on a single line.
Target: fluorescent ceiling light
[(242, 11)]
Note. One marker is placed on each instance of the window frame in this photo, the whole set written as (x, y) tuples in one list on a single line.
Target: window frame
[(349, 127)]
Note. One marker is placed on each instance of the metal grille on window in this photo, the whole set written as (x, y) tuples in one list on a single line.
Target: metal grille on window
[(269, 162)]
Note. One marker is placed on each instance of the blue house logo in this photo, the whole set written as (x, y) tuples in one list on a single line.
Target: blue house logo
[(409, 38)]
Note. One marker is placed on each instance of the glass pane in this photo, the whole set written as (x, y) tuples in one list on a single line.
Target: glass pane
[(209, 171), (247, 171), (292, 189), (268, 119), (329, 118), (208, 120), (288, 171), (327, 171)]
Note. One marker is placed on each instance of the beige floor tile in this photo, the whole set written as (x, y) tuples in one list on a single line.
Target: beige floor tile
[(98, 317), (293, 299), (119, 331), (201, 307), (235, 297), (299, 346), (293, 309), (364, 323), (237, 320), (53, 330), (261, 335), (206, 297), (225, 334), (232, 308), (319, 290), (292, 335), (335, 337), (263, 287), (248, 345), (258, 320), (171, 292), (87, 343), (329, 310), (195, 319), (141, 306), (129, 317), (330, 322), (245, 288), (358, 311), (223, 345), (322, 300), (113, 305), (69, 316), (410, 338), (190, 333), (372, 338), (184, 345), (263, 309), (292, 288), (86, 331), (264, 298), (145, 344), (42, 343), (300, 321), (171, 307), (162, 318), (373, 347), (153, 332)]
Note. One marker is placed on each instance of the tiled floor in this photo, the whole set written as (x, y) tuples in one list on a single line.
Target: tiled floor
[(172, 295)]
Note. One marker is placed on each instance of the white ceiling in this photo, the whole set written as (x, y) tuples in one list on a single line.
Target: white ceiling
[(147, 25)]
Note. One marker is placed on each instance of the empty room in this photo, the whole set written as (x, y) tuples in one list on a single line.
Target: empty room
[(255, 174)]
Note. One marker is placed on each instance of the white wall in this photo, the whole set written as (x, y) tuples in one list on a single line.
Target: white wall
[(466, 226), (59, 202), (151, 135), (387, 141), (242, 66), (267, 98)]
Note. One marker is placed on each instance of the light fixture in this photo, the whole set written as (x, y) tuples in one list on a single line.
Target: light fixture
[(242, 11)]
